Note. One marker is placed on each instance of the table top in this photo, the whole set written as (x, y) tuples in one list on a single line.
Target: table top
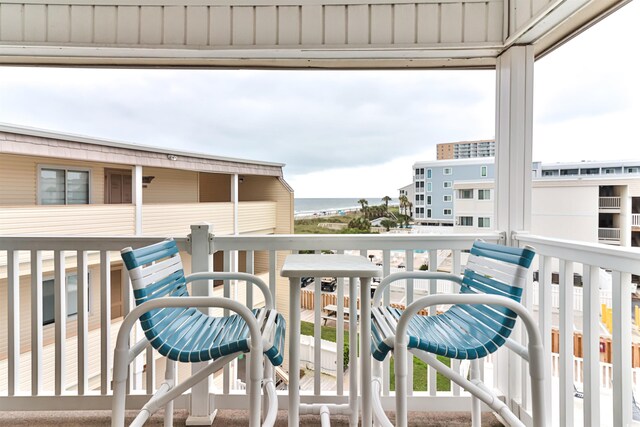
[(316, 265)]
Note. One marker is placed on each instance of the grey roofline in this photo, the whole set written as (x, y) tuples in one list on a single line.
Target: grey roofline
[(43, 133)]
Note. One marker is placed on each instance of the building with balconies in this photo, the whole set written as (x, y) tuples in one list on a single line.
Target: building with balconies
[(53, 183), (466, 149)]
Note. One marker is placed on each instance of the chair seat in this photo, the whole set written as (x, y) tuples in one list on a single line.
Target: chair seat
[(460, 333), (188, 335)]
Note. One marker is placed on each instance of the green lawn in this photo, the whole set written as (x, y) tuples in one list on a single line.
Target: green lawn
[(419, 367)]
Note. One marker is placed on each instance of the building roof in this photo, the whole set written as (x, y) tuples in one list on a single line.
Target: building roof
[(22, 140), (455, 162)]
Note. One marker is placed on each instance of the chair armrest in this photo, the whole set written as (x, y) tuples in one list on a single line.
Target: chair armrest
[(384, 283), (122, 341), (532, 330), (250, 278)]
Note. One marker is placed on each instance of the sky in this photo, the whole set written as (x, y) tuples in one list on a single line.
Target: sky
[(345, 133)]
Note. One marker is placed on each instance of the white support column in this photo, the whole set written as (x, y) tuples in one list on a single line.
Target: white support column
[(514, 117), (235, 181), (200, 412), (136, 197)]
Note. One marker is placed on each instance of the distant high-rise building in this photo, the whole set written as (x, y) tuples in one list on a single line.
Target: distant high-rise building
[(466, 149)]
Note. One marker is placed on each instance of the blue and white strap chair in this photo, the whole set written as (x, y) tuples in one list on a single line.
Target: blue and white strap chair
[(478, 322), (174, 326)]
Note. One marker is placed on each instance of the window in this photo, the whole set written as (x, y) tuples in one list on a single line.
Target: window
[(59, 186), (446, 212), (428, 173), (565, 172), (465, 221), (484, 194), (608, 171), (428, 200), (48, 298), (483, 171), (549, 173), (419, 186), (633, 170), (446, 184), (446, 171), (429, 186), (484, 222), (465, 194), (447, 198), (428, 213), (419, 198)]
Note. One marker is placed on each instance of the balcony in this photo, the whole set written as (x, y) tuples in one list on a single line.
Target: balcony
[(609, 236), (165, 219), (635, 220), (71, 371), (609, 204)]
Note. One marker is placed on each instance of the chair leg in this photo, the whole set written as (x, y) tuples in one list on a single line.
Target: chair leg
[(400, 367), (255, 373), (119, 387), (476, 413), (170, 378)]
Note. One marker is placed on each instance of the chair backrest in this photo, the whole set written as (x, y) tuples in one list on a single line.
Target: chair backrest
[(497, 270), (156, 271)]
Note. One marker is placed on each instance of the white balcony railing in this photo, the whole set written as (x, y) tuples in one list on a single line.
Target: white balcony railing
[(68, 377), (635, 220), (610, 234), (609, 203)]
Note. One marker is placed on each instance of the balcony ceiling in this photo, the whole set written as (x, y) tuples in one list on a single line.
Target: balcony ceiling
[(339, 34)]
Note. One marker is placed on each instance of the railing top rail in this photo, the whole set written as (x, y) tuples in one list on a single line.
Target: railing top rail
[(351, 241), (53, 242), (622, 259)]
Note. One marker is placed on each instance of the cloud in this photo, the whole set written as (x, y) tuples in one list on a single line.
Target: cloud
[(310, 120)]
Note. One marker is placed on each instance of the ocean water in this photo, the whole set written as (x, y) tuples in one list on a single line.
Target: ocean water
[(318, 205)]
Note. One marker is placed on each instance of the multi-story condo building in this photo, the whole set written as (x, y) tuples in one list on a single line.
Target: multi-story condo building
[(586, 201), (59, 184), (433, 186), (466, 149)]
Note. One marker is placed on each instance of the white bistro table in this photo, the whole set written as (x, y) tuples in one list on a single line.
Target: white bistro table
[(348, 266)]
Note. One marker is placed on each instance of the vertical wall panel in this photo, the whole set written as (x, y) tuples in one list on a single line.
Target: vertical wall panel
[(150, 25), (289, 25), (475, 24), (381, 24), (58, 21), (404, 23), (335, 31), (428, 23), (197, 25), (105, 24), (220, 27), (128, 24), (81, 24), (174, 25), (495, 16), (266, 25), (312, 27), (242, 25), (35, 22), (538, 5), (11, 22), (451, 23), (358, 24)]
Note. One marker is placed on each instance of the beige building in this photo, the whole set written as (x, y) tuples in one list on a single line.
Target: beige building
[(466, 149), (600, 209), (60, 184)]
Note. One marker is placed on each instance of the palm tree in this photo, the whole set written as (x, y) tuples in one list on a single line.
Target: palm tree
[(386, 200), (363, 202), (387, 223), (404, 202)]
